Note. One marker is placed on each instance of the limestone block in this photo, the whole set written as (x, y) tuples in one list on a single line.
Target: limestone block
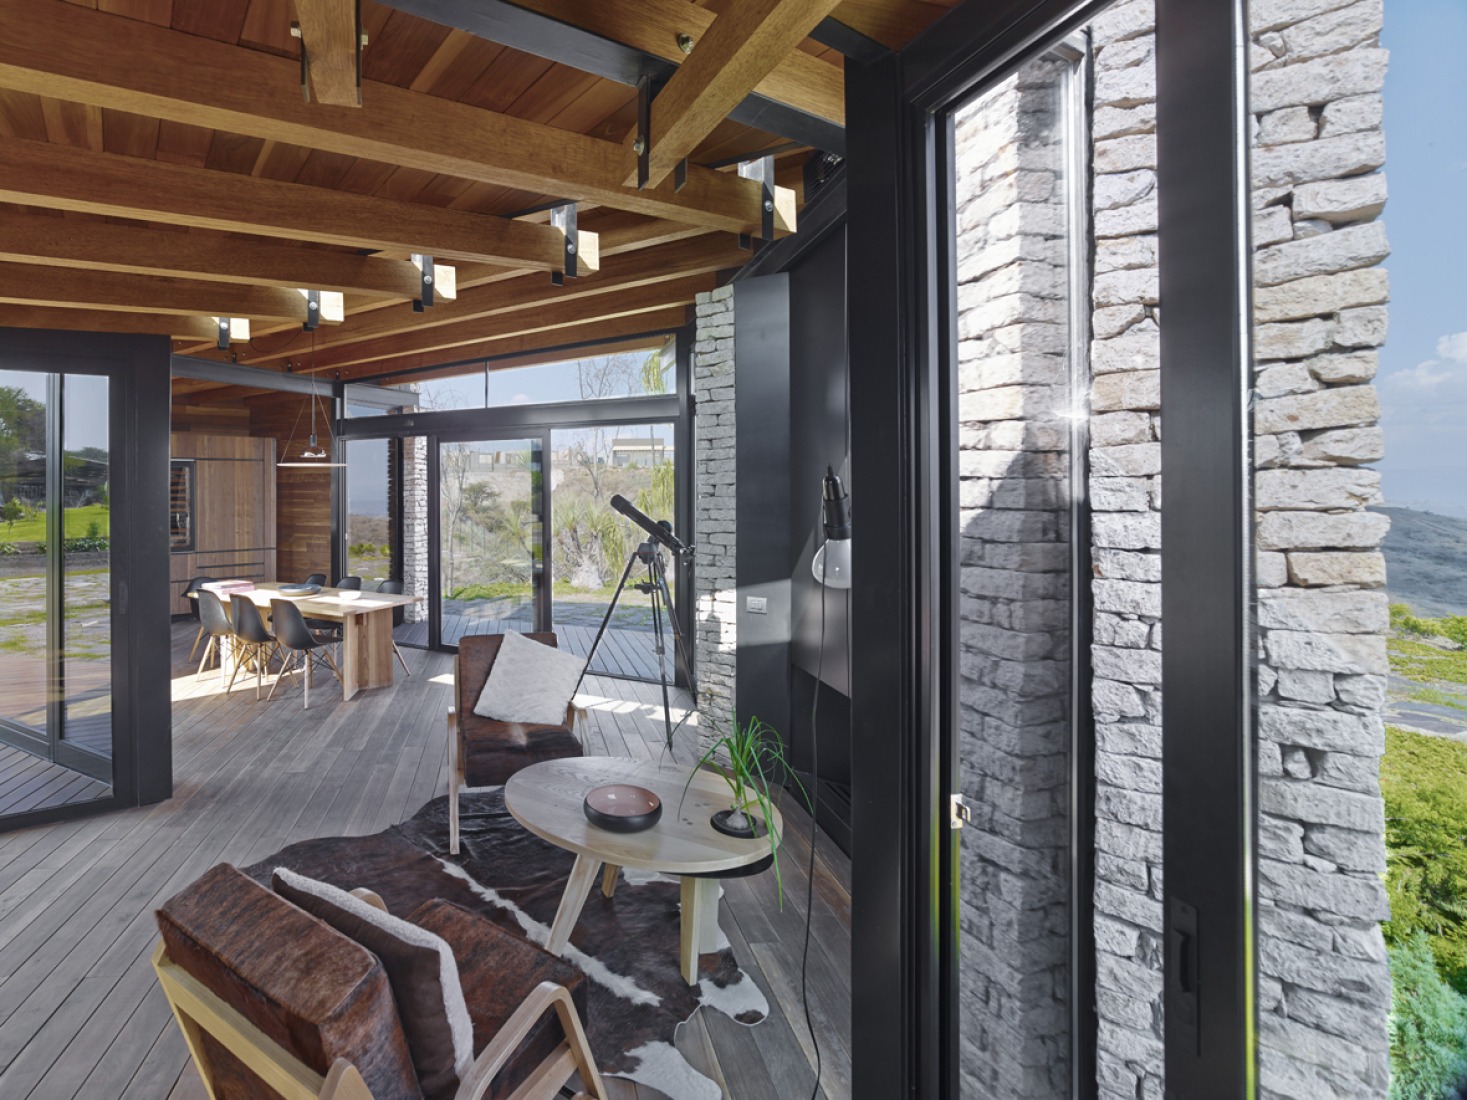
[(1270, 570), (1127, 221), (1138, 349), (1354, 199), (1139, 389), (1354, 773), (1335, 32), (1320, 294), (1111, 321), (1122, 188), (1345, 446), (1110, 429), (1355, 366), (1352, 850), (1362, 328), (1315, 490), (1138, 598), (1322, 530), (1128, 460), (1278, 379), (1344, 249), (1134, 908), (1114, 122), (1353, 115), (1309, 802), (1306, 687), (1128, 530), (1322, 159), (1280, 839), (1127, 87), (1125, 154), (1115, 494), (1361, 1024), (1310, 227), (1345, 653), (1271, 225), (1339, 895), (1126, 565), (1293, 339), (1124, 252), (1339, 406), (1271, 15), (1321, 570), (1320, 81), (1325, 612), (1124, 20), (1286, 125)]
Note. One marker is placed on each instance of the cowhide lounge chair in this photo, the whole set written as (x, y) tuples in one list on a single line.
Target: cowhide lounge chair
[(485, 752), (272, 1001)]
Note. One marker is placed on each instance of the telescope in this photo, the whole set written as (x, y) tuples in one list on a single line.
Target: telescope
[(662, 531)]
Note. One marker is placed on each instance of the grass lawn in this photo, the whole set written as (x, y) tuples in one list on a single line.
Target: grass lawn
[(78, 521)]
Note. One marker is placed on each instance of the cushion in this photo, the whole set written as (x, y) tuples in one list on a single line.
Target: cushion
[(421, 969), (491, 755), (530, 683), (312, 990), (499, 970)]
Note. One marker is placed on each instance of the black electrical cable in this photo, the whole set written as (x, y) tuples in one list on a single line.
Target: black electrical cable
[(814, 833)]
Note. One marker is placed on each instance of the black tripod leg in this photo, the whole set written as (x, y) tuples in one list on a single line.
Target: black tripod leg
[(606, 619), (653, 573), (677, 637)]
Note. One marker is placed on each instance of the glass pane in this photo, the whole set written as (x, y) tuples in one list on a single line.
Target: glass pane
[(24, 677), (1019, 409), (87, 619), (369, 527), (491, 561), (591, 543)]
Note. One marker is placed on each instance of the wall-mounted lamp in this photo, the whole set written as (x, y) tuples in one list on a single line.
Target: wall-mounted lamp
[(832, 562)]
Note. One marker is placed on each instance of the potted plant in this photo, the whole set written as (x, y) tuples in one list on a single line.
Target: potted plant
[(750, 757)]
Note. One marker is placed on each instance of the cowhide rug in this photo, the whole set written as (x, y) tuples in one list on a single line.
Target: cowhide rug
[(627, 945)]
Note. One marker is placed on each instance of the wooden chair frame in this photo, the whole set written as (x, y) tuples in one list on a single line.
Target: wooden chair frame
[(199, 1010), (575, 721)]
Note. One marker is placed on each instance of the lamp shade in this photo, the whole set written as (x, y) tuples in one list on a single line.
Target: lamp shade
[(832, 563)]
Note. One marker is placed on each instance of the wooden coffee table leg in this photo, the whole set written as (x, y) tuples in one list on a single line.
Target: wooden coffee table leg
[(608, 879), (699, 923), (582, 875)]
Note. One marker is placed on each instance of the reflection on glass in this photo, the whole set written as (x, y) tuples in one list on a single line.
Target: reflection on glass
[(87, 619), (491, 559), (591, 542), (369, 527), (24, 675)]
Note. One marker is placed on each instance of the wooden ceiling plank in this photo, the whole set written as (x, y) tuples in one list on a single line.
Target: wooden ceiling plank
[(52, 48), (329, 37), (66, 287), (740, 48), (40, 174), (43, 317), (41, 239)]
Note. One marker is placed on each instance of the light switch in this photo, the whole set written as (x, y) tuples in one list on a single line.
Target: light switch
[(756, 605)]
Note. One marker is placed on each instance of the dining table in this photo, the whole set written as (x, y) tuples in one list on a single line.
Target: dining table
[(367, 657)]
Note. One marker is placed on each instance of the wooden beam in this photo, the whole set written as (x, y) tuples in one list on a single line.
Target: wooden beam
[(73, 288), (741, 47), (55, 49), (61, 177), (531, 293), (78, 320), (653, 26), (330, 39), (139, 250), (527, 349), (623, 303)]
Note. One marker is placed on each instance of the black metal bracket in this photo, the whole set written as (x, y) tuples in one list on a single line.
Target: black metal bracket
[(680, 175), (424, 300), (762, 169), (223, 332), (313, 310), (647, 88), (563, 217)]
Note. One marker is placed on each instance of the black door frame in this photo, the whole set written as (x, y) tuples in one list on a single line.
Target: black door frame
[(904, 924)]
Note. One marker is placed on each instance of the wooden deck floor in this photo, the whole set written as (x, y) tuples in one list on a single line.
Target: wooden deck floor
[(29, 783), (80, 1011), (626, 654)]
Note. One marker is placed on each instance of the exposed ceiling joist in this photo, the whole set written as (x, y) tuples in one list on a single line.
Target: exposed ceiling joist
[(142, 250), (51, 48), (74, 288), (446, 338), (531, 294), (740, 48), (801, 99), (331, 40), (61, 177), (81, 320)]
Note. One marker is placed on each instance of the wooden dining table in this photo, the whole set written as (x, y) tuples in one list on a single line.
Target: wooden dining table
[(366, 627)]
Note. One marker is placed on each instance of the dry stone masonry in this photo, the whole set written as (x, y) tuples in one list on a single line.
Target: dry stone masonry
[(1015, 720), (415, 525), (1320, 318), (715, 487)]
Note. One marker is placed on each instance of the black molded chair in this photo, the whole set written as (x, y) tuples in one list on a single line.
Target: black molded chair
[(328, 627), (394, 588), (253, 644), (353, 584), (292, 633), (193, 586), (214, 621), (317, 578)]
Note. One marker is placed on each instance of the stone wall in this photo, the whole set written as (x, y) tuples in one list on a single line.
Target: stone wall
[(1015, 720), (715, 489), (1125, 497), (1320, 316), (415, 525)]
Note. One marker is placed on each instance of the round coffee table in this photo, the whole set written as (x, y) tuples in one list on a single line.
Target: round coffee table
[(546, 798)]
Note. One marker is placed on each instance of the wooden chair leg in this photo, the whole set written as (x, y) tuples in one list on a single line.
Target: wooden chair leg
[(402, 661), (204, 660), (453, 785), (199, 637), (608, 879)]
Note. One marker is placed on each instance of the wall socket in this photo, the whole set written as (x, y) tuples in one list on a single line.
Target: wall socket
[(756, 605)]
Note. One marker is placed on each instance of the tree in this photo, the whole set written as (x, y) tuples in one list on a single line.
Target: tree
[(12, 510)]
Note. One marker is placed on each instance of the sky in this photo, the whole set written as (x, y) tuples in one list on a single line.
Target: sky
[(87, 409), (1423, 376)]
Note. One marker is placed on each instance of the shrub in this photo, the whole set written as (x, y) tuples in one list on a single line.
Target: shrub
[(1428, 1026), (8, 549), (1426, 821)]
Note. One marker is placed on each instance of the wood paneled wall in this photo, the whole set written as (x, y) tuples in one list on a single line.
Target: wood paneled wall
[(233, 510), (303, 497)]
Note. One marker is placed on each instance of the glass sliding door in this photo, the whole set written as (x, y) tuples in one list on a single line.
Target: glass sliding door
[(491, 535), (591, 542), (55, 590), (371, 528)]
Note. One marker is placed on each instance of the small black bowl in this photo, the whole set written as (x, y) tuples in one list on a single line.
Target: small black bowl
[(621, 808), (299, 589)]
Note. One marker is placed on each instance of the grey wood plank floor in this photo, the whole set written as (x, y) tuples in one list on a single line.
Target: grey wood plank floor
[(80, 1011), (28, 782)]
